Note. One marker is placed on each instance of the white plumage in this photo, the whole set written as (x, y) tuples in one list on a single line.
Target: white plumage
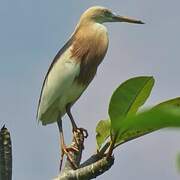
[(59, 88)]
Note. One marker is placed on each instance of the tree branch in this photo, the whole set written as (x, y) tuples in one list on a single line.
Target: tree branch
[(94, 166), (5, 155), (88, 172)]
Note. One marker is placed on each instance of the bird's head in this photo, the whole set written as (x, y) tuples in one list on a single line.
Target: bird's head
[(101, 15)]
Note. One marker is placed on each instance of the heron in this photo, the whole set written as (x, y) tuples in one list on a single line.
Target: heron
[(74, 67)]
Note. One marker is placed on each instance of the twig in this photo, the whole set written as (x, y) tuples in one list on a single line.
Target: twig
[(5, 155)]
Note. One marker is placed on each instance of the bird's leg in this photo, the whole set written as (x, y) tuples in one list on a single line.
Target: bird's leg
[(64, 149), (74, 126)]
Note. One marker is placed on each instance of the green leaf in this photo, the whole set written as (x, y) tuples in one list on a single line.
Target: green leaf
[(171, 102), (102, 132), (127, 99), (178, 162), (132, 134), (155, 118)]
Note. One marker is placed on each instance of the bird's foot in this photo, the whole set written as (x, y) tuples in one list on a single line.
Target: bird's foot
[(83, 131), (79, 134), (67, 151)]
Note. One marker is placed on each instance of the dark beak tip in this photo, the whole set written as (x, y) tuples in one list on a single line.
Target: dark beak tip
[(141, 22)]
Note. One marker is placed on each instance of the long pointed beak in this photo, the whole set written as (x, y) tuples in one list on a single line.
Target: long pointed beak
[(117, 18)]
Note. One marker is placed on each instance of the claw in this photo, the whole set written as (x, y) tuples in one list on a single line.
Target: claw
[(82, 131), (65, 151)]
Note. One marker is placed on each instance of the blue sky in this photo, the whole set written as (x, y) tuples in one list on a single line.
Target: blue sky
[(33, 31)]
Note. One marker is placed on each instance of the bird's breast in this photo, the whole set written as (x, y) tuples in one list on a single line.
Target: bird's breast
[(89, 48)]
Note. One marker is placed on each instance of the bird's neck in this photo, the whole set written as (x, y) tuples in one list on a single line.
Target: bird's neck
[(92, 35), (89, 48), (90, 26), (91, 39)]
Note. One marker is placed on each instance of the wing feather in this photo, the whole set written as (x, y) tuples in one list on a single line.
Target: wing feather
[(62, 70)]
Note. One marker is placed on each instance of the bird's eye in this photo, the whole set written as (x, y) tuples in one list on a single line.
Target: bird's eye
[(107, 13)]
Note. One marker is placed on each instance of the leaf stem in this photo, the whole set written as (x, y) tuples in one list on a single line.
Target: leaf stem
[(112, 144)]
